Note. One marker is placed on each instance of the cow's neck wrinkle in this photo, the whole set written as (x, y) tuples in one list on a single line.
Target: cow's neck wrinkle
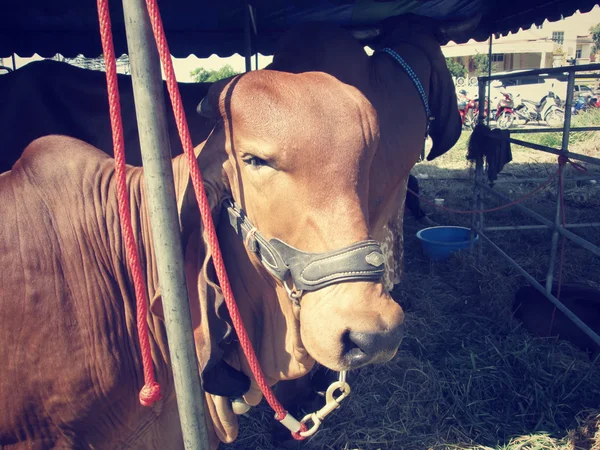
[(266, 312), (123, 274)]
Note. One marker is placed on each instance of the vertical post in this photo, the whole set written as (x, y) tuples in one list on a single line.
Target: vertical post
[(481, 96), (477, 218), (489, 83), (568, 110), (247, 37), (160, 190), (14, 62), (564, 150)]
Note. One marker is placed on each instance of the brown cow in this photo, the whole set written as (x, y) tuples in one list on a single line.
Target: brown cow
[(402, 117), (295, 152)]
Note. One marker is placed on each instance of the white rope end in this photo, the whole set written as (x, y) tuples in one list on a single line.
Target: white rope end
[(291, 423)]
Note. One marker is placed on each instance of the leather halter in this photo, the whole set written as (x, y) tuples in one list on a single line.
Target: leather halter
[(361, 261)]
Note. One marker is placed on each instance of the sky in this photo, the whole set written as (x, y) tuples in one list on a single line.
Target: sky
[(183, 66)]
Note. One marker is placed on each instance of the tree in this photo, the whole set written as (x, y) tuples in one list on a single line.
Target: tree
[(595, 30), (456, 68), (201, 75), (95, 63), (481, 61)]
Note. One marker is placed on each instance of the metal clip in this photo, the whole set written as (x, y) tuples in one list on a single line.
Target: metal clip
[(293, 294), (331, 404)]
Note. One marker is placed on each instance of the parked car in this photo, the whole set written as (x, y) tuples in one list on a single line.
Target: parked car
[(533, 88)]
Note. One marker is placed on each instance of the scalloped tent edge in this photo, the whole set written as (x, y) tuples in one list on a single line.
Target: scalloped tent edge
[(71, 28)]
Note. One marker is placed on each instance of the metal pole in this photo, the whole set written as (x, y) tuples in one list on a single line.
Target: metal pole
[(548, 71), (247, 37), (552, 130), (566, 233), (568, 111), (255, 35), (160, 190), (540, 227), (514, 180), (541, 180), (14, 62), (489, 84), (554, 151), (481, 95), (477, 192), (576, 320), (554, 242), (559, 184)]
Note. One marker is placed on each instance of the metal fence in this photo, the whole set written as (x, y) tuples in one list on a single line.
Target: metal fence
[(558, 230)]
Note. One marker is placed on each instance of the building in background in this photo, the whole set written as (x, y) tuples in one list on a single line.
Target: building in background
[(551, 44)]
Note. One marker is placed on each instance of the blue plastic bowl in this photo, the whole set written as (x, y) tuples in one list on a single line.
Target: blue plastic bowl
[(440, 242)]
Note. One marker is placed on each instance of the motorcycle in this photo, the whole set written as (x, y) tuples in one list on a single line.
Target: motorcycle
[(505, 113), (583, 103), (469, 111), (547, 110)]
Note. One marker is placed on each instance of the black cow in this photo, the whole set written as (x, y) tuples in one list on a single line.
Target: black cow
[(539, 316), (49, 97)]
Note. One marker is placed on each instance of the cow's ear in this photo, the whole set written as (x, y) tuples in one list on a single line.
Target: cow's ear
[(211, 105), (446, 127), (210, 155)]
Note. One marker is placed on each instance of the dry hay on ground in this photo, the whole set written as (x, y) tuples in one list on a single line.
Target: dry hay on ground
[(467, 376)]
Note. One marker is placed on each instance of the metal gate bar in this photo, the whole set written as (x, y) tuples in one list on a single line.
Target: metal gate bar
[(552, 130), (566, 233), (540, 227), (576, 320), (479, 187)]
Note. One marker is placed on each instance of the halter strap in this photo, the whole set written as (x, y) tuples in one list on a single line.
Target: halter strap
[(361, 261)]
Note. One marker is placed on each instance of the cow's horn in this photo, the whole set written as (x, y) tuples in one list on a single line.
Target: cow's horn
[(456, 30)]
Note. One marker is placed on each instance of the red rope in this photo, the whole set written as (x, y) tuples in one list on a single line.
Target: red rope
[(184, 133), (150, 392), (498, 208), (562, 162)]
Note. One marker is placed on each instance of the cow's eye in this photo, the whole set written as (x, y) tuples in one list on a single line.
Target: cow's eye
[(255, 161)]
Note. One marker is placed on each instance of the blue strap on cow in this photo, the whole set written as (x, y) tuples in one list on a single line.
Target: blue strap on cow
[(413, 76)]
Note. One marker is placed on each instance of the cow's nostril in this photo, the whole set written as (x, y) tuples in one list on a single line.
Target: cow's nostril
[(356, 348), (362, 348)]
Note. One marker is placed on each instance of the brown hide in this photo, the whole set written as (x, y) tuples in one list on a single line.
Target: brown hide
[(68, 336), (67, 312), (400, 110)]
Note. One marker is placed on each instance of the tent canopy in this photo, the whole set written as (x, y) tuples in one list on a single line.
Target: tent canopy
[(203, 28)]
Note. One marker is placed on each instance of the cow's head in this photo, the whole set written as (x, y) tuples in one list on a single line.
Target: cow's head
[(299, 149), (294, 152)]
